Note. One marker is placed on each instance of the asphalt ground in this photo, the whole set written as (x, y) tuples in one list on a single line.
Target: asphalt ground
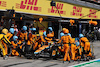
[(43, 62)]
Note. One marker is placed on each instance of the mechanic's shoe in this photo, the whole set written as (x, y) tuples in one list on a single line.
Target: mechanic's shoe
[(5, 57), (93, 57), (64, 61), (85, 59), (78, 60), (90, 57), (70, 61)]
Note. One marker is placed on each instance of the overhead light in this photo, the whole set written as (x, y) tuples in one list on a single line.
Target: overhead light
[(53, 3)]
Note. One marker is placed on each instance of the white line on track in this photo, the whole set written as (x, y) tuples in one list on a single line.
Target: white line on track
[(85, 62)]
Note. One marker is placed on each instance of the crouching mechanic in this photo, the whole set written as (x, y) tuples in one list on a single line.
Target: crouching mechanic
[(4, 39), (41, 40), (33, 38), (15, 44), (24, 33), (50, 35), (84, 42), (78, 51), (66, 40)]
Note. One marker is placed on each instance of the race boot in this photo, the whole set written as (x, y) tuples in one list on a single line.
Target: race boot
[(5, 57), (64, 61)]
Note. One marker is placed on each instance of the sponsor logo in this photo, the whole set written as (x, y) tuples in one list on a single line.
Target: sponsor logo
[(28, 5), (57, 9), (77, 11), (92, 13), (3, 3)]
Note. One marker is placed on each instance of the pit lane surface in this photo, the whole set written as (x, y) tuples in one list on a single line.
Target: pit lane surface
[(43, 62)]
